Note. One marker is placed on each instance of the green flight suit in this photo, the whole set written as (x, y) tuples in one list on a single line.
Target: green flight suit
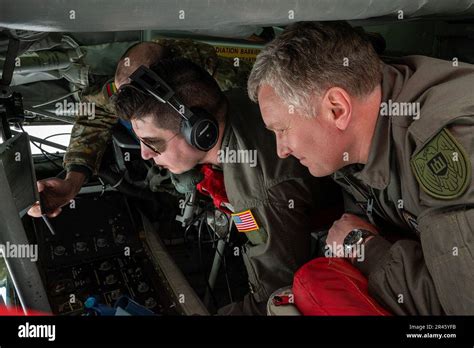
[(281, 195), (417, 188)]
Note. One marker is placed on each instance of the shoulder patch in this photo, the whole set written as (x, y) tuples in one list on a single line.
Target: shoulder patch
[(244, 221), (110, 88), (442, 167)]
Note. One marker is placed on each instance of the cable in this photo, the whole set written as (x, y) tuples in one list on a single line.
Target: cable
[(45, 153), (212, 235), (41, 144), (201, 217), (201, 263), (197, 217), (54, 100), (56, 135), (226, 276), (103, 186), (206, 280), (51, 136)]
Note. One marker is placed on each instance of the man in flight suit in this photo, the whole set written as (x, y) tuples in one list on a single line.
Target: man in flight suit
[(90, 135), (398, 136), (273, 200)]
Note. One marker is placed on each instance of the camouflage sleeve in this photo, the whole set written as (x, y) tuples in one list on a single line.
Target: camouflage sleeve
[(228, 73), (91, 133), (201, 54)]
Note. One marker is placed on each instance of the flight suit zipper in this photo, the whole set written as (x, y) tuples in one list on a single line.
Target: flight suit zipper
[(255, 285), (381, 211), (370, 198)]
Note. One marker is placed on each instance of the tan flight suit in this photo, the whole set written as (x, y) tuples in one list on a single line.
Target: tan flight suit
[(90, 135), (417, 186)]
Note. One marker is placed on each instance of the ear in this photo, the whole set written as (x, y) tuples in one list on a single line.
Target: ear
[(338, 106)]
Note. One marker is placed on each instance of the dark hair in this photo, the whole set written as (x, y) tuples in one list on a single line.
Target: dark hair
[(192, 85)]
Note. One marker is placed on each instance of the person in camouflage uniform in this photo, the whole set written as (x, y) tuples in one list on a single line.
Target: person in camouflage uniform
[(91, 133)]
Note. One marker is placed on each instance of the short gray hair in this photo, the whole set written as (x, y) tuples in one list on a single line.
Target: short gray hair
[(309, 57)]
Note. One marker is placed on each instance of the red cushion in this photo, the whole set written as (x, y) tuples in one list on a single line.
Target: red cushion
[(9, 311), (333, 286)]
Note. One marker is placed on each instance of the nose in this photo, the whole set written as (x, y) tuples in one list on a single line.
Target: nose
[(146, 152), (282, 150)]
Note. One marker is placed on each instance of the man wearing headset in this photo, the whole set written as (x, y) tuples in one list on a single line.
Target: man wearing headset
[(90, 136), (183, 119)]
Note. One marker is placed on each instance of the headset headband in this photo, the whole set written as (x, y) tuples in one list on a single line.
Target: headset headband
[(199, 128), (150, 82)]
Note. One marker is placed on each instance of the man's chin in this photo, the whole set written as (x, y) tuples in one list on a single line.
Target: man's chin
[(318, 171), (177, 171), (171, 170)]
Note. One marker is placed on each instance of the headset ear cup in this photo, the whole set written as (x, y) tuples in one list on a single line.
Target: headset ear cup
[(186, 131), (204, 131)]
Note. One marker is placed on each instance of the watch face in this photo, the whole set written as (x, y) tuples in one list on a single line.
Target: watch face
[(353, 238)]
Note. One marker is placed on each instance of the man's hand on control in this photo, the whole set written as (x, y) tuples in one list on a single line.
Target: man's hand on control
[(57, 193)]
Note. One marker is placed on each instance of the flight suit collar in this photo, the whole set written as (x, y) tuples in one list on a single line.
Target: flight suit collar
[(228, 129), (227, 133), (376, 172)]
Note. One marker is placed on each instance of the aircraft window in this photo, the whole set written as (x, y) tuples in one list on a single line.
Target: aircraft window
[(59, 134)]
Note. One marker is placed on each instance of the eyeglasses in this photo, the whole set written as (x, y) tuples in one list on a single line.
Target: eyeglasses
[(159, 149)]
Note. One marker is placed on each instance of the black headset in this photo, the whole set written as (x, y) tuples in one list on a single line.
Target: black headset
[(199, 127)]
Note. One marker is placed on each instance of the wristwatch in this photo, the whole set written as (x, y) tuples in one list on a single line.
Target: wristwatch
[(356, 237)]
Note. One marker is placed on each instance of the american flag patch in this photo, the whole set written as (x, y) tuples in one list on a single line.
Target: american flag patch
[(244, 221)]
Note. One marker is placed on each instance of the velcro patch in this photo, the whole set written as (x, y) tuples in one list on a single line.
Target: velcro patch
[(111, 89), (442, 167), (245, 222)]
